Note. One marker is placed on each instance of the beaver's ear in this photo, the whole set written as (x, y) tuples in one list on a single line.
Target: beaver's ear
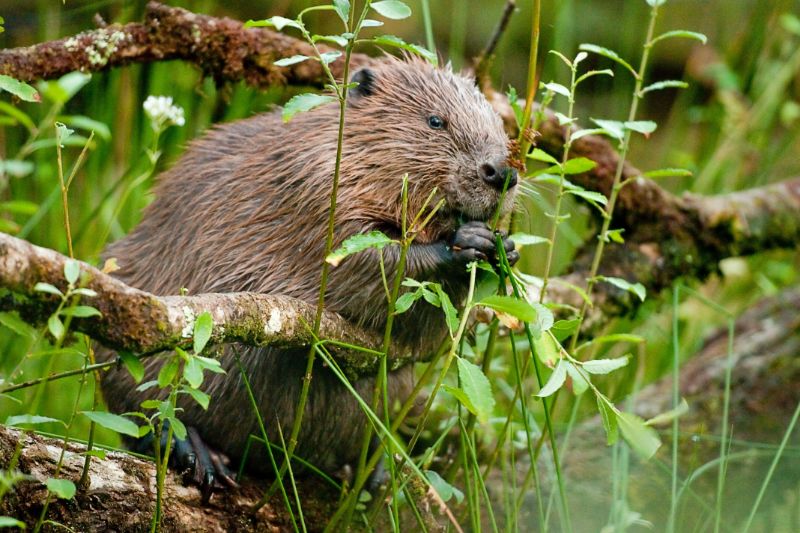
[(365, 78)]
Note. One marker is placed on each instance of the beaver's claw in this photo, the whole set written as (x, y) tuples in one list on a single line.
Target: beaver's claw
[(474, 241), (203, 466)]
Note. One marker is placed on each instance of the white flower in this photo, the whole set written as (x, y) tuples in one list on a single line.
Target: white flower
[(162, 112)]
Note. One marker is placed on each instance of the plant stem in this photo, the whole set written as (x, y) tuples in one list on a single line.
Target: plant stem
[(532, 79), (560, 195), (616, 187)]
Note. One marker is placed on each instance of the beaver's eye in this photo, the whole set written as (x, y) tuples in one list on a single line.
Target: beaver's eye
[(436, 122)]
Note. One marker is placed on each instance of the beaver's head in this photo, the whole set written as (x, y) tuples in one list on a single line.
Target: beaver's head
[(407, 116)]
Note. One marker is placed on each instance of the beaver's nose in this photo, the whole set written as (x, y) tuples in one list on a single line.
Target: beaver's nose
[(496, 175)]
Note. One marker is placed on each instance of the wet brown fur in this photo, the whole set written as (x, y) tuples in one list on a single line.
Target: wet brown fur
[(246, 207)]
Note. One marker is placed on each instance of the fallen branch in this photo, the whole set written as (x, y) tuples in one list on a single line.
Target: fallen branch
[(670, 237), (221, 47), (141, 322), (121, 494)]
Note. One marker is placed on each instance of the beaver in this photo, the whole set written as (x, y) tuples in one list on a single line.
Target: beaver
[(246, 208)]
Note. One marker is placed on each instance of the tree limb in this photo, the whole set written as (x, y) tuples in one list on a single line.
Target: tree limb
[(122, 492), (221, 47), (141, 322)]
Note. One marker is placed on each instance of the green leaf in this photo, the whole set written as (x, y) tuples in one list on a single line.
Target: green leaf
[(405, 301), (87, 124), (277, 22), (203, 326), (461, 396), (450, 313), (177, 428), (199, 396), (547, 349), (579, 380), (83, 291), (397, 42), (20, 89), (212, 365), (643, 439), (370, 23), (591, 73), (17, 325), (146, 385), (62, 90), (590, 196), (525, 239), (286, 61), (443, 488), (81, 311), (16, 168), (56, 327), (610, 54), (193, 373), (575, 135), (564, 328), (62, 488), (645, 127), (555, 382), (100, 454), (392, 9), (666, 84), (562, 57), (150, 404), (513, 101), (342, 8), (605, 366), (609, 417), (537, 154), (614, 128), (544, 318), (133, 364), (476, 386), (168, 372), (578, 165), (304, 102), (7, 521), (683, 34), (563, 119), (615, 235), (19, 207), (337, 39), (557, 88), (31, 420), (667, 173), (117, 423), (511, 306), (46, 287), (790, 23), (670, 415), (358, 243), (329, 57), (18, 115), (656, 3), (636, 288)]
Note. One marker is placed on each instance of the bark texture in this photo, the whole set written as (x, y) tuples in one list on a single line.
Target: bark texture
[(140, 322)]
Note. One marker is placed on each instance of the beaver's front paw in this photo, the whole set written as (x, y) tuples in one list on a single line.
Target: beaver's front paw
[(474, 241)]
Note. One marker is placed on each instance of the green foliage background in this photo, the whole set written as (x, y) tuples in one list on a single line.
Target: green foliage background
[(751, 63)]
